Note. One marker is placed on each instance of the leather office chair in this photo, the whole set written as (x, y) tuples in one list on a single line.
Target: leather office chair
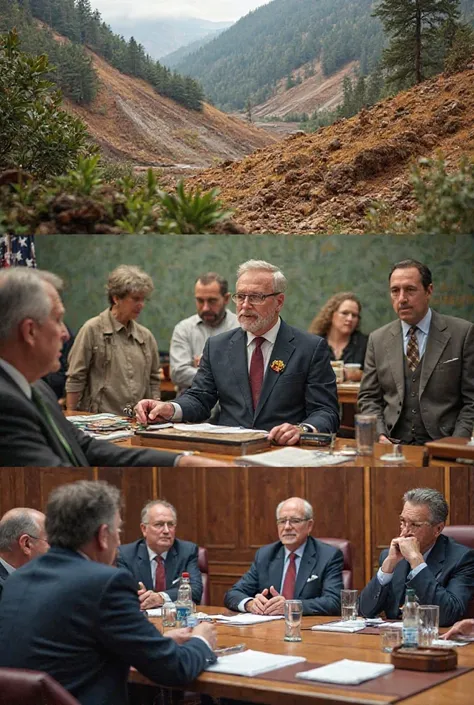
[(463, 533), (346, 547), (204, 569), (21, 687)]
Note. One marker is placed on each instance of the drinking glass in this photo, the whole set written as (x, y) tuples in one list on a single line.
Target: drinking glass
[(348, 605), (390, 637), (338, 367), (429, 624), (293, 614), (365, 433), (168, 615)]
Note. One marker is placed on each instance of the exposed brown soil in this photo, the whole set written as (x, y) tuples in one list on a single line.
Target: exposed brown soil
[(129, 120), (322, 182)]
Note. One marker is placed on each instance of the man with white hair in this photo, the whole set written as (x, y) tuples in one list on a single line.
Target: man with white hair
[(34, 430), (296, 567), (22, 538), (265, 374)]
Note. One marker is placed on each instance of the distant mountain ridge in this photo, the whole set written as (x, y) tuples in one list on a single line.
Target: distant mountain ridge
[(173, 59), (247, 61), (163, 36)]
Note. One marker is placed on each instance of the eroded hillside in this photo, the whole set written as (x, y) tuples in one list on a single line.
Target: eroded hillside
[(322, 182), (131, 121)]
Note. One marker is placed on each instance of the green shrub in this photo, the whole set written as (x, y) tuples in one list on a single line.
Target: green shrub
[(36, 135)]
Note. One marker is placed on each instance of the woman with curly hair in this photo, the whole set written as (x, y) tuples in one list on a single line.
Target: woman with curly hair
[(338, 322), (114, 361)]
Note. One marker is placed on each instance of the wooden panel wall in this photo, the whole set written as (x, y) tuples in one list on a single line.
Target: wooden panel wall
[(231, 511)]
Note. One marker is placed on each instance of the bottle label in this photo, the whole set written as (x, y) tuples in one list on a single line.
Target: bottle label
[(410, 636), (182, 612)]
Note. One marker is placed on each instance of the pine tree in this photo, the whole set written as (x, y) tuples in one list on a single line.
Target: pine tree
[(412, 26)]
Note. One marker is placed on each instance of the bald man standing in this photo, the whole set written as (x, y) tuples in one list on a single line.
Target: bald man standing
[(22, 538)]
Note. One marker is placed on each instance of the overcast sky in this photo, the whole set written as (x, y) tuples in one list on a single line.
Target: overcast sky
[(215, 10)]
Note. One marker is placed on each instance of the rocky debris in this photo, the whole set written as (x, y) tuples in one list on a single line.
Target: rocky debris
[(327, 180)]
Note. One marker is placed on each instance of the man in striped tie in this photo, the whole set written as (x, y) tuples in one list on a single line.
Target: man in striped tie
[(297, 566), (158, 560), (419, 370)]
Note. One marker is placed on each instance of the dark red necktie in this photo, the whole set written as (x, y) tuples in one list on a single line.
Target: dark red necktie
[(256, 370), (288, 591), (160, 575)]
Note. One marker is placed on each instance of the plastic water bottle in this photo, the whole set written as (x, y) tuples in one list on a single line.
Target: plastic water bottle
[(411, 620), (184, 603)]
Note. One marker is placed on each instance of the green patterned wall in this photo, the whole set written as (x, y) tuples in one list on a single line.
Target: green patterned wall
[(316, 267)]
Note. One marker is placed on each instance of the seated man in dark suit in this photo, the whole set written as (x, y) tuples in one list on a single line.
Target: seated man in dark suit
[(75, 616), (265, 374), (22, 538), (34, 430), (159, 558), (440, 570), (295, 567)]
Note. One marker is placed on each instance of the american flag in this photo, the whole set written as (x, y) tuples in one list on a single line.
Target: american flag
[(17, 251)]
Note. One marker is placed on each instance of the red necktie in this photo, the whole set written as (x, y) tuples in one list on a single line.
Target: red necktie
[(256, 370), (288, 591), (160, 575)]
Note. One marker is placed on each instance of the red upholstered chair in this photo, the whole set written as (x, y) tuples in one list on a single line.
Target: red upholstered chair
[(463, 533), (22, 687), (346, 547), (204, 568)]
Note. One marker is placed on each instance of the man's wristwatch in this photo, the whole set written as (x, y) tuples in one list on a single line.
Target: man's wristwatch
[(305, 428)]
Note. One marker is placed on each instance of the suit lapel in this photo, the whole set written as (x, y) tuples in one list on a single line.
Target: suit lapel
[(394, 350), (170, 565), (238, 365), (308, 561), (437, 556), (275, 570), (282, 350), (64, 427), (438, 338), (144, 569)]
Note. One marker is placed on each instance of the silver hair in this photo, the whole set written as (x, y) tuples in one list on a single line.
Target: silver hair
[(127, 279), (279, 280), (19, 523), (435, 501), (308, 509), (23, 295), (153, 503), (75, 512)]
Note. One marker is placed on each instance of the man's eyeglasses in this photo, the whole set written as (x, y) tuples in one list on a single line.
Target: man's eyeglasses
[(294, 521), (38, 538), (413, 524), (162, 524), (253, 299)]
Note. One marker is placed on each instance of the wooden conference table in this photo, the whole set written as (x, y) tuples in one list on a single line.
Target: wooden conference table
[(318, 648)]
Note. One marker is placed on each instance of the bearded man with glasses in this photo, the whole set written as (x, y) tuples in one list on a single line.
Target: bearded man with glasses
[(440, 570), (157, 560), (265, 374), (297, 566)]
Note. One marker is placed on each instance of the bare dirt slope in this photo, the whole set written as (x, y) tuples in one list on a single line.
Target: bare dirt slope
[(131, 121), (317, 92), (324, 182)]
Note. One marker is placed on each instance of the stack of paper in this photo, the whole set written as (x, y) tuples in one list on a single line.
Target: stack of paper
[(246, 619), (347, 672), (350, 626), (252, 663), (293, 457)]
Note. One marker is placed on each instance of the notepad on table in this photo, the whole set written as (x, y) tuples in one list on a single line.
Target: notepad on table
[(252, 663), (246, 619), (347, 672), (349, 626)]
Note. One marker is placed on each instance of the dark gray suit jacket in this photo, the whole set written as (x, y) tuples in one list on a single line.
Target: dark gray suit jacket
[(320, 594), (3, 576), (447, 581), (304, 391), (447, 378), (80, 622), (182, 557), (26, 440)]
